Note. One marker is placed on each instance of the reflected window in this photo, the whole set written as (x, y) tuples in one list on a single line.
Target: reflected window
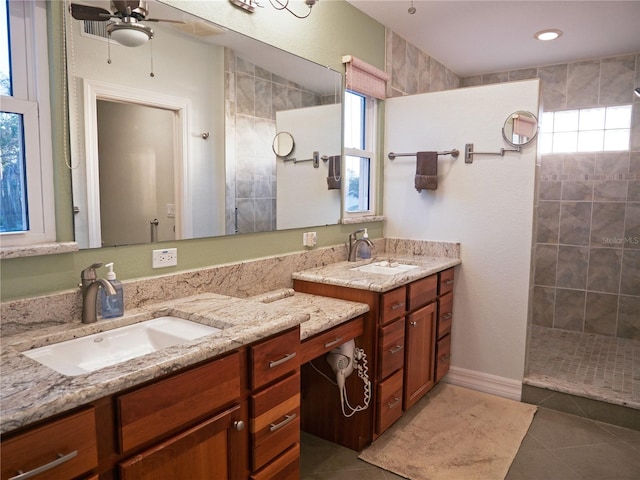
[(26, 184), (359, 132), (604, 129)]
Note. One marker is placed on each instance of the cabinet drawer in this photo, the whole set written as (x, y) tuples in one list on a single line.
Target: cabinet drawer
[(285, 467), (275, 420), (67, 446), (166, 405), (446, 281), (391, 347), (326, 341), (273, 358), (443, 356), (389, 402), (422, 291), (445, 314), (393, 304)]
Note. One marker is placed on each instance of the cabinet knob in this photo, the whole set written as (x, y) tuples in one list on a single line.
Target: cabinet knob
[(413, 323), (238, 425)]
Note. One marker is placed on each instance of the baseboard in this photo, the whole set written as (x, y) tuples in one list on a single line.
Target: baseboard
[(484, 382)]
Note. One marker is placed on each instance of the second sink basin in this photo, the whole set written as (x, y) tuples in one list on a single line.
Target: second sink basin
[(385, 268), (93, 352)]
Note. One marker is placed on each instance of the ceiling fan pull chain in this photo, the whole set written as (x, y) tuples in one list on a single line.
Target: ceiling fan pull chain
[(151, 47)]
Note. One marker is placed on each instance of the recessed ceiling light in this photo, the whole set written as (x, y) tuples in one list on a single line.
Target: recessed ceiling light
[(548, 34)]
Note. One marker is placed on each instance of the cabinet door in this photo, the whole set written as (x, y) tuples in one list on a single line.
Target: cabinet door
[(420, 337), (199, 453)]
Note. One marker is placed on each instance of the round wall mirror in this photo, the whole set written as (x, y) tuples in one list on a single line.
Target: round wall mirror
[(283, 144), (520, 128)]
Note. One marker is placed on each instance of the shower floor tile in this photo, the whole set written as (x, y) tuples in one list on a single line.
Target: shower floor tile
[(588, 365)]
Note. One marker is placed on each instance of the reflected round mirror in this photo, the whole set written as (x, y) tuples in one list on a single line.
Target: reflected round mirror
[(520, 128), (283, 144)]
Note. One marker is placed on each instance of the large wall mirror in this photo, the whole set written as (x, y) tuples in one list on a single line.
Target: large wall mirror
[(173, 139)]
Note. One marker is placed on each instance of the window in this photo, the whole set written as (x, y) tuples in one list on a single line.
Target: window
[(26, 184), (359, 133), (602, 129)]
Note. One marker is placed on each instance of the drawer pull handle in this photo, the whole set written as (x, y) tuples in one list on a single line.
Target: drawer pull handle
[(413, 323), (449, 282), (447, 316), (397, 306), (396, 349), (43, 468), (286, 358), (444, 358), (332, 343), (287, 419), (396, 401)]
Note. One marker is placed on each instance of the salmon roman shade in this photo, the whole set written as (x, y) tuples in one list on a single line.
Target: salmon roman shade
[(364, 78)]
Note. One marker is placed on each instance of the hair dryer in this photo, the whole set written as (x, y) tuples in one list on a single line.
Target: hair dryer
[(341, 361)]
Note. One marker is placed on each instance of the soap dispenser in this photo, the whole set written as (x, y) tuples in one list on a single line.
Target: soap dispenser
[(364, 252), (112, 305)]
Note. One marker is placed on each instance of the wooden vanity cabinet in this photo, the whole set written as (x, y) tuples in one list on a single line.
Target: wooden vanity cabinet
[(401, 337), (60, 448)]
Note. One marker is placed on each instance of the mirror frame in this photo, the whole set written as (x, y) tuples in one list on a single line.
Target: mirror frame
[(508, 128)]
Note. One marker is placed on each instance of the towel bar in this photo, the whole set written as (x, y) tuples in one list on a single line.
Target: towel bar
[(454, 153)]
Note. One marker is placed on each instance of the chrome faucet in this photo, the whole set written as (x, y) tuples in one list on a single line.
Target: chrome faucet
[(90, 285), (354, 243)]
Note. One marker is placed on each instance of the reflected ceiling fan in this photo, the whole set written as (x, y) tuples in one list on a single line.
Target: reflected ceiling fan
[(128, 31)]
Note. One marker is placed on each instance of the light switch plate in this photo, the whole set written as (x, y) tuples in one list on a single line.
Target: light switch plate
[(167, 257)]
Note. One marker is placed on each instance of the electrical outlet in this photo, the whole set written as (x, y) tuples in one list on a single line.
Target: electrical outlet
[(167, 257), (309, 239)]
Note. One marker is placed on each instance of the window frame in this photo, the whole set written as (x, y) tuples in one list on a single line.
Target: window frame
[(369, 151), (30, 98)]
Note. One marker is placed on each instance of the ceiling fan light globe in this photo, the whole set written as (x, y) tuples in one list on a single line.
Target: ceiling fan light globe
[(130, 34)]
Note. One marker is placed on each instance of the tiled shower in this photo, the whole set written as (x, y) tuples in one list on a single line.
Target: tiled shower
[(585, 332)]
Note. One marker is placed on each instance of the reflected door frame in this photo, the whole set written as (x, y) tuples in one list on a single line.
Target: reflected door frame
[(96, 90)]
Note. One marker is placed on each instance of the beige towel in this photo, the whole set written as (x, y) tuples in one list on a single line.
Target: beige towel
[(426, 171), (333, 179)]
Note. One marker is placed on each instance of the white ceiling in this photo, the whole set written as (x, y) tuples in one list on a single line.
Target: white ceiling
[(475, 37)]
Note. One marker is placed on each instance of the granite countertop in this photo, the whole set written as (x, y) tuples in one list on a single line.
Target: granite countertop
[(28, 397), (342, 273)]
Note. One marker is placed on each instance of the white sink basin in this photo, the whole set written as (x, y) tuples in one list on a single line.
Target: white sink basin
[(93, 352), (385, 268)]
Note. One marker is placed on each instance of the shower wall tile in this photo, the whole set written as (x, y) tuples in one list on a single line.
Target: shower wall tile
[(630, 281), (632, 226), (543, 306), (604, 270), (607, 224), (551, 165), (546, 262), (572, 267), (612, 163), (633, 192), (438, 76), (263, 99), (473, 81), (554, 87), (617, 79), (601, 313), (411, 72), (579, 164), (569, 309), (575, 219), (628, 317), (523, 74), (635, 126), (398, 60), (583, 82), (610, 190), (245, 94), (424, 72), (499, 77), (548, 222), (550, 190), (577, 190)]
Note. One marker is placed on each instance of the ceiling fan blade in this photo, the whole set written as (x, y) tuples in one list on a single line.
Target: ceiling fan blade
[(122, 5), (84, 12), (162, 20)]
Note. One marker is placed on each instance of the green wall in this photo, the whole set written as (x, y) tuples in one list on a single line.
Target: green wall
[(333, 29)]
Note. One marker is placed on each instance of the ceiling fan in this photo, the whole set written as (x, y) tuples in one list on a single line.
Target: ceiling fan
[(128, 31)]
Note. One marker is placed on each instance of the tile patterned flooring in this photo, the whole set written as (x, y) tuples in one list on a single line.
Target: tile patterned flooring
[(558, 446), (588, 365)]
